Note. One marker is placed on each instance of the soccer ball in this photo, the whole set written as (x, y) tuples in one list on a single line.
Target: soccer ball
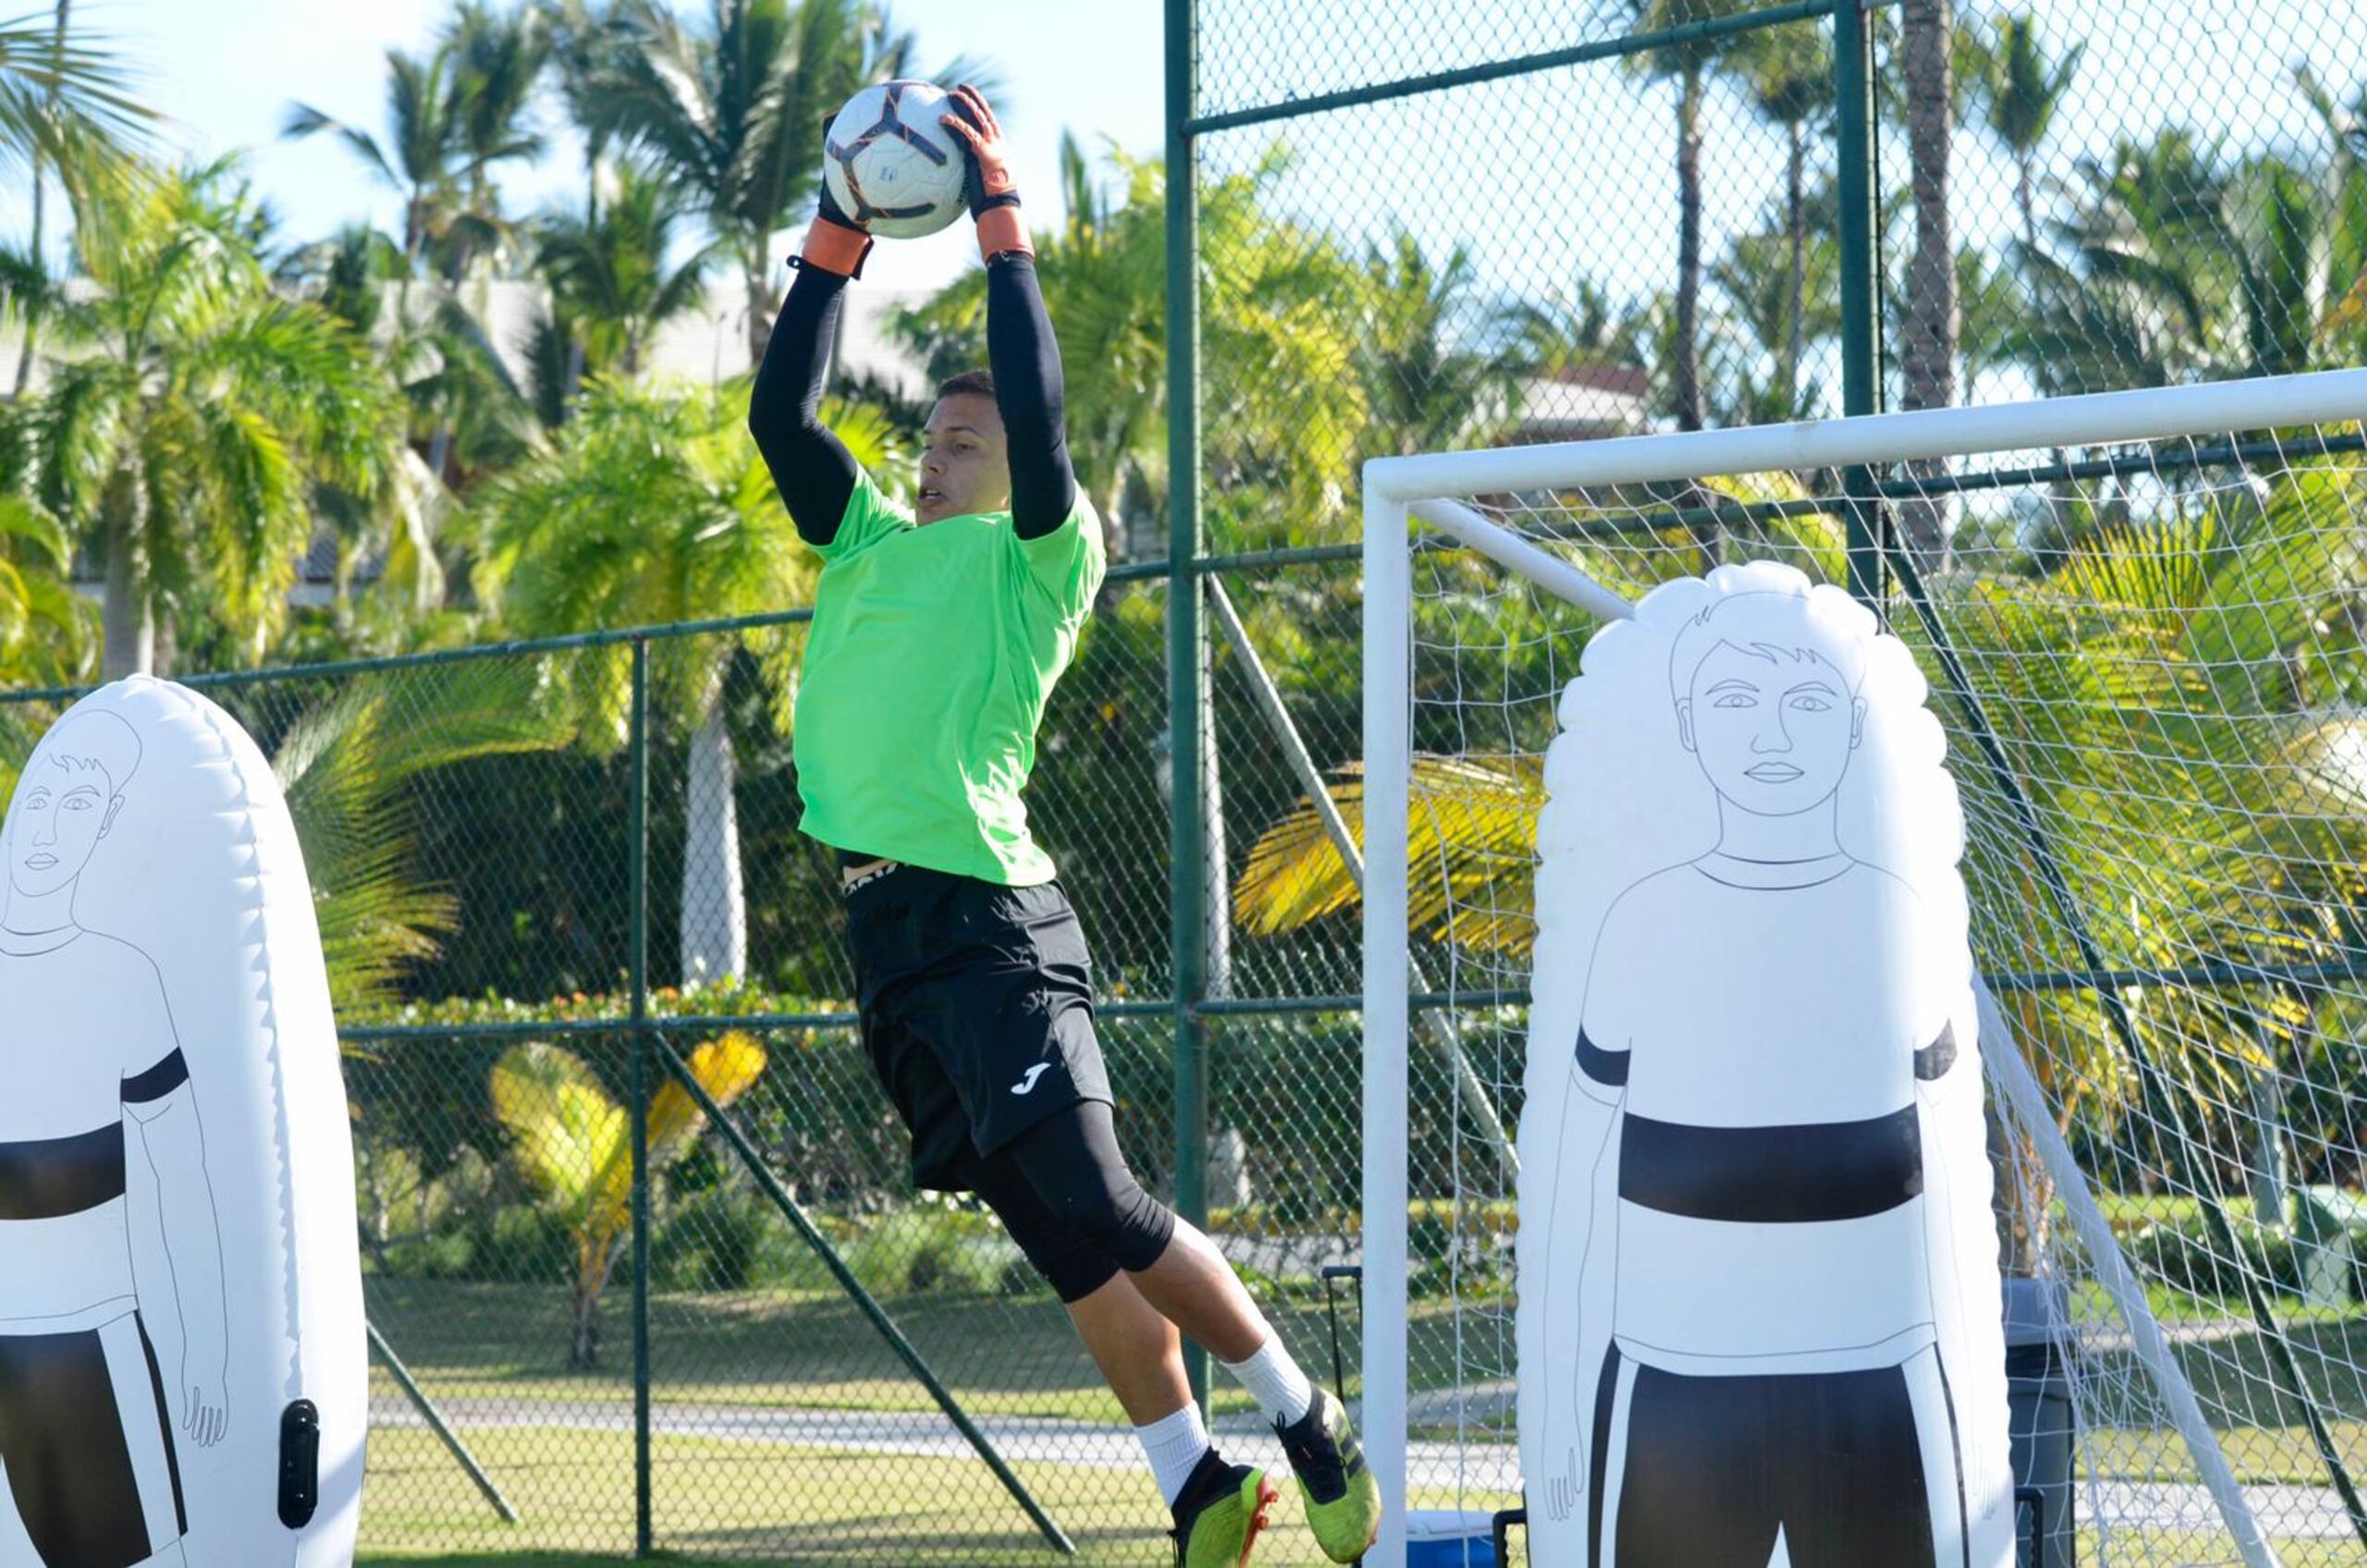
[(891, 166)]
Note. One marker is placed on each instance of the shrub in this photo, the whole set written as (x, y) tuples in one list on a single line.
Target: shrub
[(2183, 1257)]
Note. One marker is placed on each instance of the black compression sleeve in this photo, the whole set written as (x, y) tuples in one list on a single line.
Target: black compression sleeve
[(810, 466), (1025, 360)]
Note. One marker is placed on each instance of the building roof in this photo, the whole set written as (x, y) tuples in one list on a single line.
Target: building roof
[(1586, 403)]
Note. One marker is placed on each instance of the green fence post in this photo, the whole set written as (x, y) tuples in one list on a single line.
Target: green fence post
[(639, 863), (1185, 686), (1860, 285)]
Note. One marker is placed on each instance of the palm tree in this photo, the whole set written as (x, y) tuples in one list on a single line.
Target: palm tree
[(614, 273), (730, 106), (2017, 90), (1926, 350), (419, 160), (1689, 64), (45, 627), (1427, 390), (654, 506), (586, 37), (197, 408), (2344, 195), (1293, 424), (452, 116), (497, 57), (574, 1145), (348, 765), (1758, 274), (1564, 331), (2136, 300), (1787, 73), (83, 125)]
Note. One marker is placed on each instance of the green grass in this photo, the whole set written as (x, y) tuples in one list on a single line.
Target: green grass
[(573, 1490), (767, 1503), (1007, 1356)]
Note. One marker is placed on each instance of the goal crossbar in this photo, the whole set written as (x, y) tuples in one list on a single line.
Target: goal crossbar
[(1871, 440)]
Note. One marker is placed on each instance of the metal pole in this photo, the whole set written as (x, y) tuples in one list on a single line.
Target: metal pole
[(436, 1424), (672, 1060), (1389, 752), (638, 860), (1860, 283), (1185, 683), (1475, 1096), (2001, 1054)]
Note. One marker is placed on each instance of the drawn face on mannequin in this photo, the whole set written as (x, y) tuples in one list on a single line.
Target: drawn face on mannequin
[(67, 802), (1772, 726)]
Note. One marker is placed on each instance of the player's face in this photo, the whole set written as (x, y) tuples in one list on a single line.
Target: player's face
[(963, 466), (1774, 735), (59, 815)]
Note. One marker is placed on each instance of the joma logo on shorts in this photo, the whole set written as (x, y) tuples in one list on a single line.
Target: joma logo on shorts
[(1027, 1083)]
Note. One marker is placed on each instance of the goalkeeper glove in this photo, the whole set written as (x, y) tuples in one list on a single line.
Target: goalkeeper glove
[(994, 204), (835, 242)]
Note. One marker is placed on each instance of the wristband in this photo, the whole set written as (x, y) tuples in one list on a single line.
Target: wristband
[(1002, 230), (834, 248)]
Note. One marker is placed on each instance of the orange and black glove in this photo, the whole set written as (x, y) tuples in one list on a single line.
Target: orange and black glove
[(994, 203), (835, 242)]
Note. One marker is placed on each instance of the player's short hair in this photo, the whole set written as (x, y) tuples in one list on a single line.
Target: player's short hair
[(93, 740), (970, 383), (1768, 626)]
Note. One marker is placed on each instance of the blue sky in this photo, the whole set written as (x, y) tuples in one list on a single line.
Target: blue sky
[(1543, 180), (226, 71)]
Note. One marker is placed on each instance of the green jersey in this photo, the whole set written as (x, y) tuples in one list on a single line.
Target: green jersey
[(927, 665)]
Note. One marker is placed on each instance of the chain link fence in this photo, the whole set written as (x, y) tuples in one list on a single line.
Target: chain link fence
[(1434, 227), (563, 879)]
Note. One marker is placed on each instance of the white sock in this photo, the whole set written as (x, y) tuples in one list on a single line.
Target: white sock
[(1173, 1447), (1274, 1381)]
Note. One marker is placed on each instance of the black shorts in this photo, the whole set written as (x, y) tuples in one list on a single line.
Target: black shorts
[(1709, 1470), (87, 1448), (978, 1009)]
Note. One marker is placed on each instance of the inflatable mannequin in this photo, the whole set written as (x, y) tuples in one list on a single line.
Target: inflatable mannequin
[(1764, 1321), (181, 1347)]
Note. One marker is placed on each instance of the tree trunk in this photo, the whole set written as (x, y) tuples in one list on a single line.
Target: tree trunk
[(1926, 350), (32, 310), (760, 314), (2025, 199), (584, 1346), (128, 613), (714, 911), (1797, 224), (1686, 375)]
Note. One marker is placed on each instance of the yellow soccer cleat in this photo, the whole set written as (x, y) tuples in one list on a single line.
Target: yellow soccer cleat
[(1222, 1512), (1343, 1500)]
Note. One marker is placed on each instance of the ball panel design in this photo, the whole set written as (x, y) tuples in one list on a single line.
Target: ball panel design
[(891, 166)]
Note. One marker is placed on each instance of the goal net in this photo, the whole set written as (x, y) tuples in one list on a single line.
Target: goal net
[(2142, 618)]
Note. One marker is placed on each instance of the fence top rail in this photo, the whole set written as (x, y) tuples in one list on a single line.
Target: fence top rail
[(1640, 42), (1873, 440)]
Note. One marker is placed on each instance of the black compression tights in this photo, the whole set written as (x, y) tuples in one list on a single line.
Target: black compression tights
[(1065, 1194)]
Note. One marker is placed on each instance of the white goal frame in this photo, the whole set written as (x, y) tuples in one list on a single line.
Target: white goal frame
[(1425, 487)]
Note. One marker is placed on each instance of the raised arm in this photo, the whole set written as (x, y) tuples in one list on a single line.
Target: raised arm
[(1025, 360), (1021, 349), (811, 468)]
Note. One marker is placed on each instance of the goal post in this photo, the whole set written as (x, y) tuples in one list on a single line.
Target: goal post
[(2136, 613)]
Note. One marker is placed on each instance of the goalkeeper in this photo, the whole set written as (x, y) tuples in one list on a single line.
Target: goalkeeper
[(936, 638)]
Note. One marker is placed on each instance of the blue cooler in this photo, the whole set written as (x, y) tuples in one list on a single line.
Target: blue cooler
[(1444, 1538)]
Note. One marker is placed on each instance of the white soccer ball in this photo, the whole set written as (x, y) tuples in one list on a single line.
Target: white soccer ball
[(891, 166)]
